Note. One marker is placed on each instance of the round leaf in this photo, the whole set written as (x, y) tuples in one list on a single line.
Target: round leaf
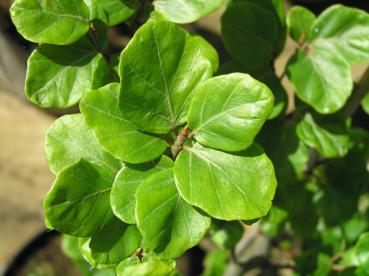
[(299, 22), (78, 202), (123, 194), (58, 76), (365, 103), (227, 186), (330, 136), (322, 79), (156, 97), (149, 268), (228, 111), (59, 22), (69, 139), (116, 134), (169, 225), (362, 252)]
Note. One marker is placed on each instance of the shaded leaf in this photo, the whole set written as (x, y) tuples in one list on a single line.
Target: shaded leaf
[(227, 186), (115, 133), (215, 263), (365, 103), (226, 234)]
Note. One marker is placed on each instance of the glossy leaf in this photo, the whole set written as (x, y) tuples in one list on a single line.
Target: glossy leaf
[(299, 22), (69, 139), (123, 194), (208, 50), (228, 111), (329, 136), (111, 12), (58, 76), (182, 11), (54, 22), (253, 32), (227, 186), (322, 79), (115, 133), (78, 202), (148, 268), (362, 252), (169, 225), (156, 97), (115, 242), (344, 31), (365, 103)]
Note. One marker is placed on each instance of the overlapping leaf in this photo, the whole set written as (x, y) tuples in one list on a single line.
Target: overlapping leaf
[(168, 223), (156, 97), (299, 22), (228, 111), (227, 186), (53, 22), (116, 134), (148, 268), (122, 197), (58, 76), (182, 11)]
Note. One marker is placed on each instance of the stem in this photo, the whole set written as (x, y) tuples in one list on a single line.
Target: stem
[(359, 93), (178, 143), (95, 38)]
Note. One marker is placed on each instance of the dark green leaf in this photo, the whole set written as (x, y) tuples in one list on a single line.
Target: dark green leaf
[(58, 76), (182, 11), (115, 133), (54, 22), (228, 111), (226, 234), (169, 225), (156, 97), (365, 103), (122, 197), (227, 186)]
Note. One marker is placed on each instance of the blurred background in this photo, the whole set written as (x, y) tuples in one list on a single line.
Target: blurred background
[(24, 175)]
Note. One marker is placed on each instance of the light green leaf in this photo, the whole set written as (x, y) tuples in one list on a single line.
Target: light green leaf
[(208, 50), (184, 11), (299, 22), (322, 79), (58, 76), (228, 111), (365, 103), (343, 31), (328, 135), (324, 265), (115, 133), (253, 32), (169, 225), (362, 252), (226, 234), (111, 12), (215, 263), (122, 197), (149, 268), (69, 139), (70, 248), (54, 22), (78, 203), (227, 186), (115, 242), (156, 97)]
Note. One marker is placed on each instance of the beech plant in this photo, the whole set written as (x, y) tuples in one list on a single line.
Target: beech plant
[(172, 146)]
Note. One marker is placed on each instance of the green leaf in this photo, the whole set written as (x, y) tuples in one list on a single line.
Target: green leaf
[(324, 265), (299, 22), (149, 268), (182, 11), (208, 50), (122, 196), (362, 252), (365, 103), (273, 222), (156, 97), (69, 139), (78, 203), (227, 186), (70, 248), (226, 234), (115, 133), (58, 76), (111, 12), (328, 135), (115, 242), (322, 79), (169, 225), (228, 111), (215, 263), (54, 22), (253, 32), (342, 31)]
